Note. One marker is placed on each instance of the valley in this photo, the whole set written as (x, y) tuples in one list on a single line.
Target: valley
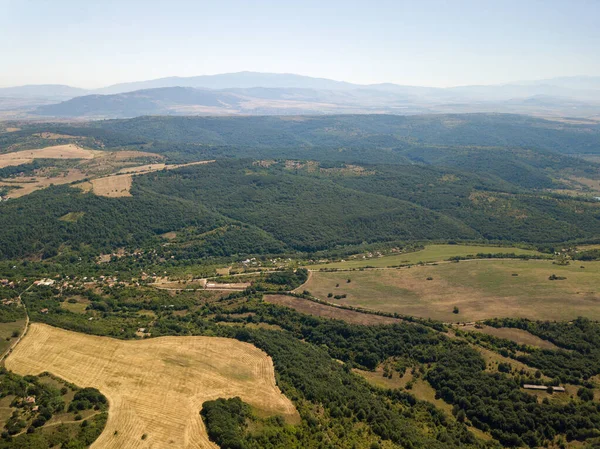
[(334, 281)]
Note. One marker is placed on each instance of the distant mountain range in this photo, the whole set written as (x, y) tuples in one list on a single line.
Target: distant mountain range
[(280, 94)]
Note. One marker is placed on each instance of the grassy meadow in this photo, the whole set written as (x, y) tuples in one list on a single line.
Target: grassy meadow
[(431, 253), (480, 289)]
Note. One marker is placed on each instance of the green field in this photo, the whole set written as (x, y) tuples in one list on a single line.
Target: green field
[(432, 253), (480, 289), (6, 333)]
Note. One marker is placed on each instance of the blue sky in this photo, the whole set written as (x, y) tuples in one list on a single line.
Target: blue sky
[(435, 43)]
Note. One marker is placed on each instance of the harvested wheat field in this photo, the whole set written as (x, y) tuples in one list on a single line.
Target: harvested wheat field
[(155, 387), (69, 151), (112, 186)]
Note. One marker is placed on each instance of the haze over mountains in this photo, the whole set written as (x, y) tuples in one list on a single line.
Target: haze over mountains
[(252, 93)]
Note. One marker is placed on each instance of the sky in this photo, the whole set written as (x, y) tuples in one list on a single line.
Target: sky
[(439, 43)]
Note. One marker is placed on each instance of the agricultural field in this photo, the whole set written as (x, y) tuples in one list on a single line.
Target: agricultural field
[(431, 253), (155, 387), (70, 163), (69, 151), (110, 186), (479, 289)]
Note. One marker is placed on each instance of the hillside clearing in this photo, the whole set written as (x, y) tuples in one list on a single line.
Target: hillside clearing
[(480, 289), (27, 185), (119, 184), (112, 186), (431, 253), (156, 386), (69, 151), (517, 335)]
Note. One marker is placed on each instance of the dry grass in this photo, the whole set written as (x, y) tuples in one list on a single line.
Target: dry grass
[(154, 386), (119, 184), (142, 169), (31, 184), (376, 378), (128, 155), (224, 271), (325, 311), (53, 136), (112, 186), (517, 335), (425, 392), (69, 151), (592, 184), (431, 253), (481, 289), (13, 162)]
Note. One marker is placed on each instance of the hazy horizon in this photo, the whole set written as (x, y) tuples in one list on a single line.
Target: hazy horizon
[(300, 74), (430, 43)]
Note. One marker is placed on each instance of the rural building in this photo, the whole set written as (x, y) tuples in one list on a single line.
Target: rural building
[(46, 282)]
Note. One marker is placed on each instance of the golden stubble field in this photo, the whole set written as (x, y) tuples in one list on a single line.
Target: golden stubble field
[(155, 387), (69, 151)]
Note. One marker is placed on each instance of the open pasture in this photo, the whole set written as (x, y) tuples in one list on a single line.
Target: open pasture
[(155, 387), (480, 289), (517, 335), (112, 186), (431, 253)]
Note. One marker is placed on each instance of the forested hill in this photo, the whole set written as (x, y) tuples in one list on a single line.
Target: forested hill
[(367, 131), (242, 207)]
